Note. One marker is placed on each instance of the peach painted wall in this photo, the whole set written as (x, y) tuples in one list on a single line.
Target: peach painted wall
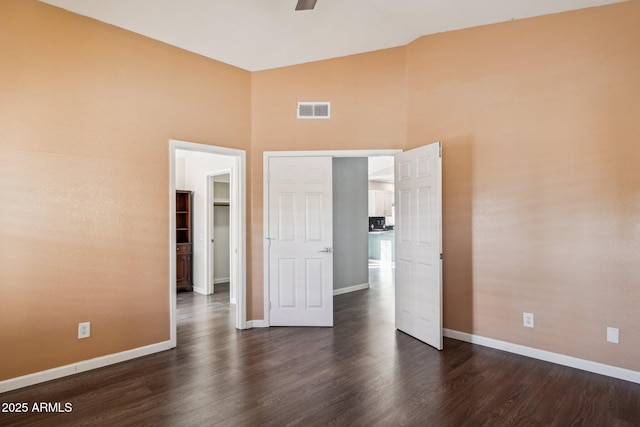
[(368, 100), (86, 113), (540, 123)]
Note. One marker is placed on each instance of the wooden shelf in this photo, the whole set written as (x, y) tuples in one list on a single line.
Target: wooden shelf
[(184, 260)]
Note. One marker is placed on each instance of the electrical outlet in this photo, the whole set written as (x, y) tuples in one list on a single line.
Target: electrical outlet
[(527, 320), (84, 330), (613, 335)]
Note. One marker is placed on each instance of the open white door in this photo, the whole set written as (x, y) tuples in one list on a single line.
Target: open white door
[(300, 239), (418, 231)]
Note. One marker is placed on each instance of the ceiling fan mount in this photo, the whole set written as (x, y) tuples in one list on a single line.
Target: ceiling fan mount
[(306, 4)]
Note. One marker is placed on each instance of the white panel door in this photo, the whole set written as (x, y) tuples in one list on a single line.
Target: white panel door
[(300, 238), (418, 233)]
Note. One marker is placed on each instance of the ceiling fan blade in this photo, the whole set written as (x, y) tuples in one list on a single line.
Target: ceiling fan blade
[(306, 4)]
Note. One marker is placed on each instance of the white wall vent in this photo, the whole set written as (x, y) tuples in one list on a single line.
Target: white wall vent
[(314, 110)]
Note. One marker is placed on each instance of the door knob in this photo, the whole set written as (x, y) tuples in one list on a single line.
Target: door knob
[(326, 250)]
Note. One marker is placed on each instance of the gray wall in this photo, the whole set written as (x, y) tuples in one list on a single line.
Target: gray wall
[(350, 222)]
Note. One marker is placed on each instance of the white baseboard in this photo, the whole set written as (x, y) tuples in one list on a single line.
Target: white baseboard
[(221, 280), (201, 291), (99, 362), (560, 359), (348, 289), (257, 324), (85, 365)]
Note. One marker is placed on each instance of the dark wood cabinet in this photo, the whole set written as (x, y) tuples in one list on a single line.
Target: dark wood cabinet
[(184, 245)]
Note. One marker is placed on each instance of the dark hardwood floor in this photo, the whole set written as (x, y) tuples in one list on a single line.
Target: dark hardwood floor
[(362, 372)]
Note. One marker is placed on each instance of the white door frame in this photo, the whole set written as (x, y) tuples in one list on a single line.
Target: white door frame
[(210, 244), (265, 193), (238, 230)]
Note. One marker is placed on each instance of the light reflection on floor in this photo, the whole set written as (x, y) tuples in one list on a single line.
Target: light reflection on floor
[(381, 274)]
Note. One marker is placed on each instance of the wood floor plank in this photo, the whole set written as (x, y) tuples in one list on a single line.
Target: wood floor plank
[(361, 372)]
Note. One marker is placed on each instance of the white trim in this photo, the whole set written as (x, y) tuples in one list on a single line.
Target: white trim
[(257, 324), (221, 280), (240, 175), (332, 153), (265, 199), (201, 291), (265, 235), (85, 365), (547, 356), (173, 328), (348, 289)]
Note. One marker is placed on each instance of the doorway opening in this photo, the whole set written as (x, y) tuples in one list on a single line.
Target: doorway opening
[(191, 167), (362, 265), (381, 211), (299, 216), (219, 190)]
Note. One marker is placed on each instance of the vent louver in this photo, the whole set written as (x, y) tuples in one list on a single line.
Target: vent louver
[(314, 110)]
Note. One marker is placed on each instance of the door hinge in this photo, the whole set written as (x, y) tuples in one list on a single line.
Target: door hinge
[(269, 305), (440, 151), (440, 256)]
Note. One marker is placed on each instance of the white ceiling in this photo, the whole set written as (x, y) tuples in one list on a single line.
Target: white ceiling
[(263, 34), (381, 168)]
